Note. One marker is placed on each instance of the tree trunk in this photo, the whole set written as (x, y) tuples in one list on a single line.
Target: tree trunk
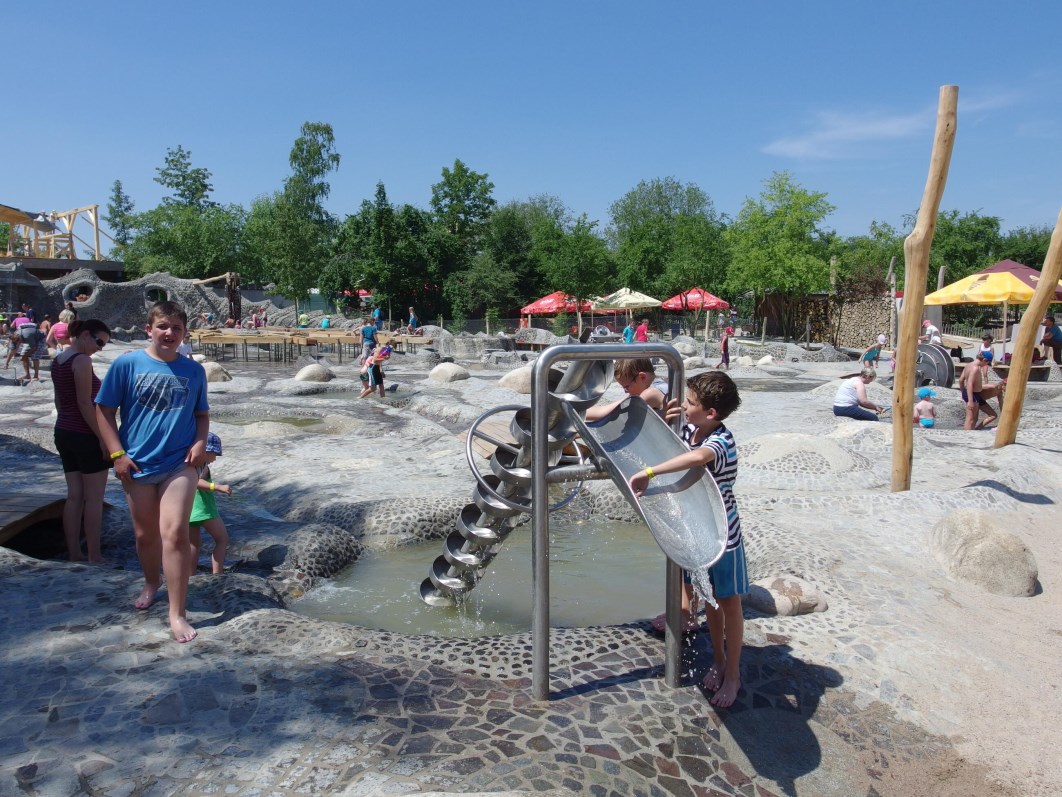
[(1023, 346), (916, 249)]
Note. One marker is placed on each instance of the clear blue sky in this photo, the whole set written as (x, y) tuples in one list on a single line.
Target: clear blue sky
[(577, 99)]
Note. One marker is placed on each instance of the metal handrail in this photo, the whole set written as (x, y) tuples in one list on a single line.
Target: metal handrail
[(540, 506)]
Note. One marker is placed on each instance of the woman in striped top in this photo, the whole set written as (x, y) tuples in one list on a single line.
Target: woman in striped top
[(84, 457)]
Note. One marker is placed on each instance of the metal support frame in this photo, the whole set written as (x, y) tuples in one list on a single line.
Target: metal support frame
[(540, 503)]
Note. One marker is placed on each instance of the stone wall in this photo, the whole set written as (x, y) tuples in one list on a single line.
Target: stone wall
[(123, 305), (860, 322)]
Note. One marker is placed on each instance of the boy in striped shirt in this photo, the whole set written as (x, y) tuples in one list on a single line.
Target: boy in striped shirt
[(710, 399)]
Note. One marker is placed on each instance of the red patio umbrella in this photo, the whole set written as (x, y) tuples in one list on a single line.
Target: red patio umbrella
[(557, 302), (695, 299)]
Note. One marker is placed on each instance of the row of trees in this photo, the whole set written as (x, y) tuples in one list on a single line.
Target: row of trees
[(467, 256)]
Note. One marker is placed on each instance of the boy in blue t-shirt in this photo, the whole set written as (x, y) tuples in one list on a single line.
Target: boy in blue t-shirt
[(156, 452), (710, 399), (368, 339)]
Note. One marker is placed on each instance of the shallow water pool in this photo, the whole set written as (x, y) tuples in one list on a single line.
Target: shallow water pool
[(602, 573)]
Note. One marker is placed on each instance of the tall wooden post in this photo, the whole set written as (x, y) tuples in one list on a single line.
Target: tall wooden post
[(1023, 346), (916, 266), (892, 305)]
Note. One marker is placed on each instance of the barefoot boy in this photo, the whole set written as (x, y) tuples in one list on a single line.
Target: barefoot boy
[(710, 399), (162, 441)]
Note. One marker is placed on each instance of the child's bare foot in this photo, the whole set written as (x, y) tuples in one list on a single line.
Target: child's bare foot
[(182, 629), (147, 597), (727, 694), (712, 679)]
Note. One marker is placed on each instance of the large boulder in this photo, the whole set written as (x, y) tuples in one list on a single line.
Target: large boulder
[(216, 373), (744, 361), (314, 373), (973, 546), (687, 348), (518, 380), (448, 372), (785, 596)]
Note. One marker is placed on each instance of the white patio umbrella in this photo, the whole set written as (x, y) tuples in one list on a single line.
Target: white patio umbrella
[(626, 299)]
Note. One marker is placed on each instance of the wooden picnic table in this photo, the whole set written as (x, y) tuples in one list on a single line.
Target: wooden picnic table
[(286, 344)]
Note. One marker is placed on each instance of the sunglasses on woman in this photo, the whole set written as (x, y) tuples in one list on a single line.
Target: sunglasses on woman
[(100, 342)]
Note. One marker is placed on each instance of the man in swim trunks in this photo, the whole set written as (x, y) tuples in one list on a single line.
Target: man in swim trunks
[(975, 394)]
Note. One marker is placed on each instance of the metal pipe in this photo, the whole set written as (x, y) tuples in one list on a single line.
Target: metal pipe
[(575, 473), (540, 501)]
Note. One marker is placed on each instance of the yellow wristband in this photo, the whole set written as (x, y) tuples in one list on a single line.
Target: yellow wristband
[(212, 487), (117, 454), (649, 473)]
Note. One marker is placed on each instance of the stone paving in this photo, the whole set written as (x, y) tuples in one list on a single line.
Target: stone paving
[(96, 699)]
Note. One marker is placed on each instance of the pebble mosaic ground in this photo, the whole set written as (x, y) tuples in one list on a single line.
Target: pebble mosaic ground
[(878, 695)]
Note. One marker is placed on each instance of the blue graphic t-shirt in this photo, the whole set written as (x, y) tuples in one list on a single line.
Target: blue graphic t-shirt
[(157, 402), (368, 334)]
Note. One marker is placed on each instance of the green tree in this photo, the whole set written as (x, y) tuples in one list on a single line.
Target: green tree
[(462, 201), (668, 237), (581, 263), (509, 243), (291, 231), (1027, 245), (462, 204), (190, 185), (120, 209), (962, 244), (483, 287), (875, 250), (777, 244), (187, 241)]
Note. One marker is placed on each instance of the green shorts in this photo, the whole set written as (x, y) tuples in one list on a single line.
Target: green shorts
[(204, 507)]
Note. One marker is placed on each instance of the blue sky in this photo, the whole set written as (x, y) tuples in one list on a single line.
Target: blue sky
[(576, 99)]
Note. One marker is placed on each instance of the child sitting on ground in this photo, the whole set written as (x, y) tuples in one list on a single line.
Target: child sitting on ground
[(710, 399), (638, 378), (205, 514), (925, 412)]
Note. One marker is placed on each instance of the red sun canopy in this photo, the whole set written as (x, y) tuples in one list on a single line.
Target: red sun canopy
[(695, 299), (556, 302)]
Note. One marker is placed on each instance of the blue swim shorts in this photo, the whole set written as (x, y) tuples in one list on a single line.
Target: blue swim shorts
[(730, 575), (159, 478), (926, 422)]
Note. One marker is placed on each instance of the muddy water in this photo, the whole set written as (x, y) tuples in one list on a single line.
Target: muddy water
[(601, 573)]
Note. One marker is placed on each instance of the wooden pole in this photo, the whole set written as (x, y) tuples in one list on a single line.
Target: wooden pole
[(916, 249), (892, 305), (1021, 359)]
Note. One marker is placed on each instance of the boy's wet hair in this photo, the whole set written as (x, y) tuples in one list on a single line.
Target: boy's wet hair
[(714, 390), (629, 369), (166, 310)]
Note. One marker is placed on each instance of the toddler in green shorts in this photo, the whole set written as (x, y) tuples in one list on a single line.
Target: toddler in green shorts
[(205, 513)]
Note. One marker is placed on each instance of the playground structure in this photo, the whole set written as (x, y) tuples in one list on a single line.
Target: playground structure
[(52, 235), (553, 444), (933, 366)]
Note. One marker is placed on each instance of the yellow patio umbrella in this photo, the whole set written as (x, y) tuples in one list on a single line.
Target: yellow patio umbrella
[(1006, 283)]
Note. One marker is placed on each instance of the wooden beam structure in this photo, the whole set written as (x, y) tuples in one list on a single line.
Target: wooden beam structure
[(53, 235), (1021, 359), (916, 248)]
